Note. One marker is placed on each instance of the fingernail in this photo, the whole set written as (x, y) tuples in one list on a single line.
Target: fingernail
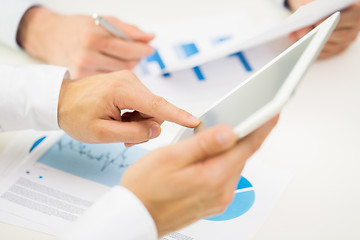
[(224, 137), (154, 131), (194, 120)]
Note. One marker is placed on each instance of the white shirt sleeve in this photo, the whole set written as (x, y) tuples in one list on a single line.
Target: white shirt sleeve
[(29, 96), (29, 99), (11, 12), (119, 214)]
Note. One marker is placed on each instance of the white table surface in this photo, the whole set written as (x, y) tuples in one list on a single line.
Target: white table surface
[(317, 138)]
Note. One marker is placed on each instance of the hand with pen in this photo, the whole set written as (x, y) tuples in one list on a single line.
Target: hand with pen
[(75, 41)]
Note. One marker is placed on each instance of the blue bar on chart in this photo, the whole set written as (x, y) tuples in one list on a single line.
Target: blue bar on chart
[(240, 55), (156, 58), (243, 60), (187, 50), (198, 73)]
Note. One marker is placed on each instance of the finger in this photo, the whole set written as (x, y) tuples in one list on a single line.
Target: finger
[(343, 36), (302, 32), (151, 104), (123, 49), (133, 144), (137, 116), (107, 131), (233, 161), (333, 47), (252, 142), (158, 107), (350, 17), (295, 36), (145, 115), (330, 52), (325, 55), (132, 31), (206, 144)]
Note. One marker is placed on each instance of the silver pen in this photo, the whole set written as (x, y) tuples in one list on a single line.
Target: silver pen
[(110, 27)]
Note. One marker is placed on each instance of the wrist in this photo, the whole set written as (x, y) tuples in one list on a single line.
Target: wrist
[(33, 26), (62, 94)]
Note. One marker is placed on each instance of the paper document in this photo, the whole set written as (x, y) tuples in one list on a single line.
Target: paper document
[(245, 38), (57, 178)]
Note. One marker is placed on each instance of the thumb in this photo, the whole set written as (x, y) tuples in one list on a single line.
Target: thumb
[(205, 144), (295, 36)]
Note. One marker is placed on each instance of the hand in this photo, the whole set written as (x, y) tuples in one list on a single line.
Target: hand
[(76, 42), (345, 33), (89, 110), (192, 179)]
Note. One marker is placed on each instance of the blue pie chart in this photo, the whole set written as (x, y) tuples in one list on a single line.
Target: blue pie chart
[(243, 200)]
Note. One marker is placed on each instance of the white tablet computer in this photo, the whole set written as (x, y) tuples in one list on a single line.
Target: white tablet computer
[(261, 97)]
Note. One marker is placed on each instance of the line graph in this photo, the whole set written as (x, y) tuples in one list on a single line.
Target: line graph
[(106, 157), (102, 163)]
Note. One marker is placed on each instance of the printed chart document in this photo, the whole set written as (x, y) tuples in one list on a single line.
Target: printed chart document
[(246, 37), (57, 178)]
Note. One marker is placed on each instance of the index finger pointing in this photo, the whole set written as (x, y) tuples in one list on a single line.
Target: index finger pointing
[(160, 108)]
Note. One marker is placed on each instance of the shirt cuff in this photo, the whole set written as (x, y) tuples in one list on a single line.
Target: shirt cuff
[(11, 13), (119, 214), (286, 4), (29, 95)]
